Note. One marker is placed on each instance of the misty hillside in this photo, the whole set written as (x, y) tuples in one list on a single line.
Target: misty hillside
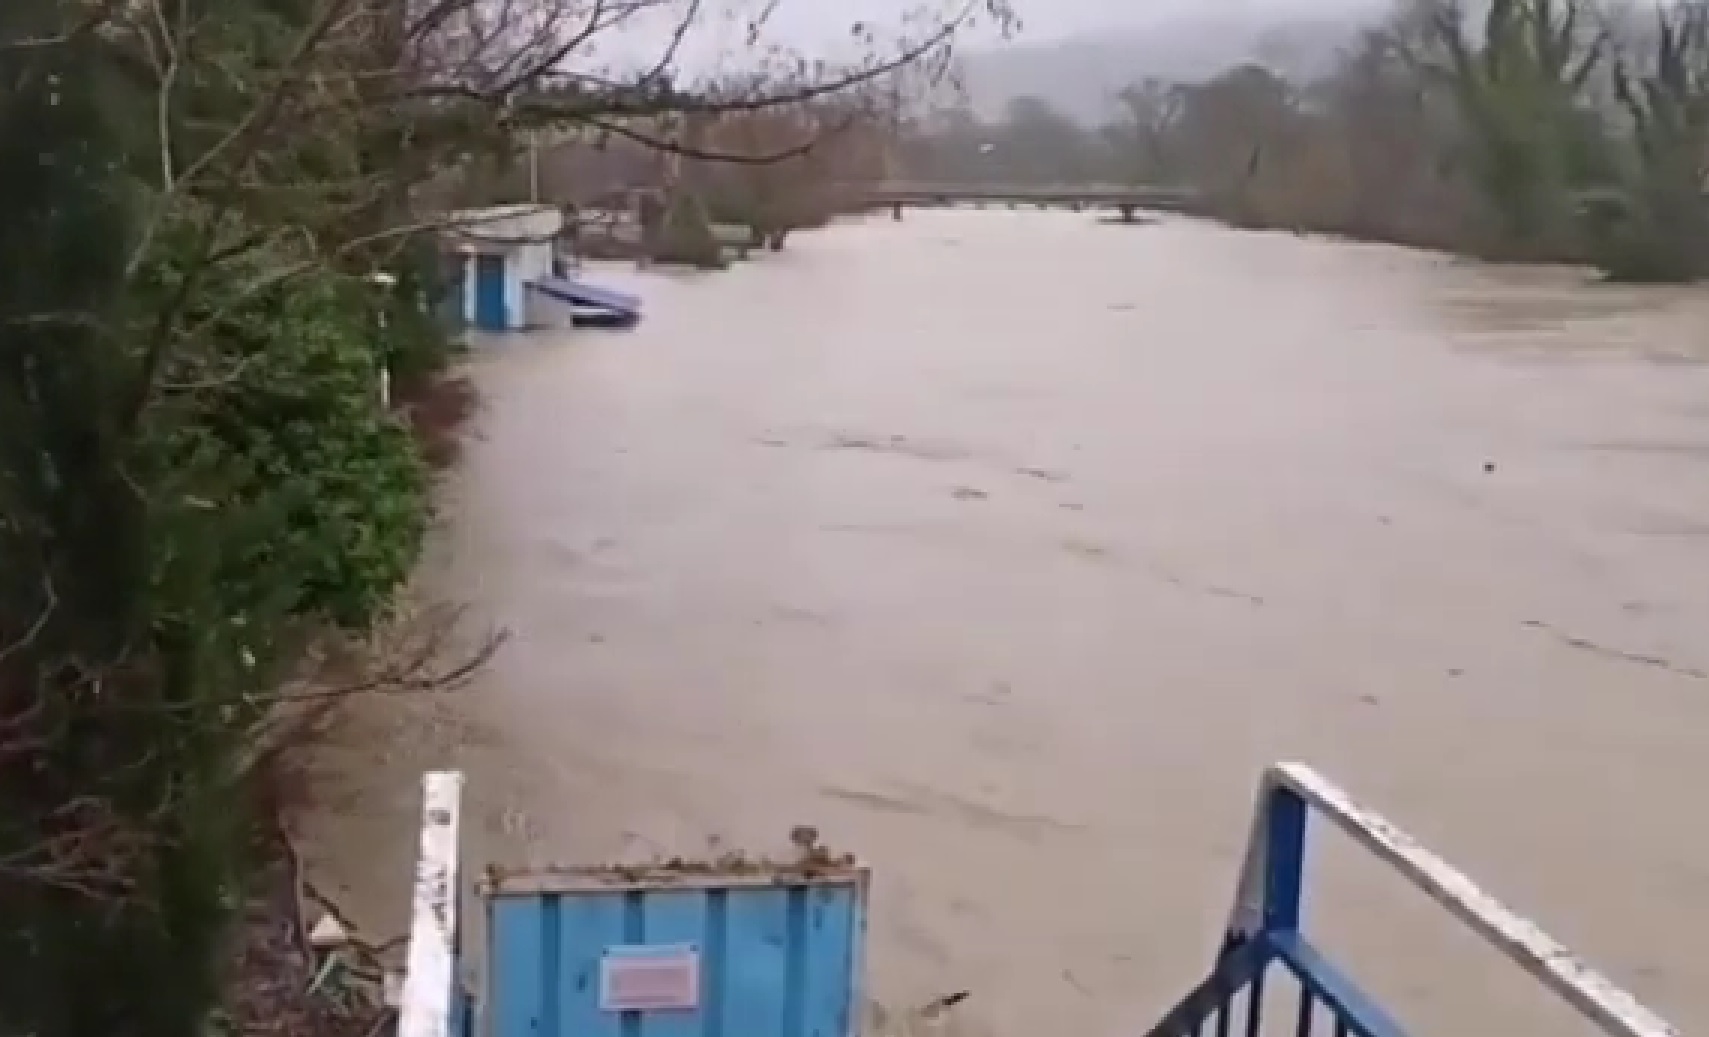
[(1081, 76)]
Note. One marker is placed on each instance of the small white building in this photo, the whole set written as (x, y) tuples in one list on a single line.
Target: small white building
[(505, 248)]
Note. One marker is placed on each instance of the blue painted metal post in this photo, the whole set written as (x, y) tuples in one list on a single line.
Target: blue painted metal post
[(1284, 881), (1284, 860), (491, 313)]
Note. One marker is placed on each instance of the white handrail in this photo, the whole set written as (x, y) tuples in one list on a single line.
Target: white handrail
[(1611, 1008), (430, 975)]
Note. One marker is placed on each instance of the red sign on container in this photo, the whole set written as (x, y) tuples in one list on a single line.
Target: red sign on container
[(650, 979)]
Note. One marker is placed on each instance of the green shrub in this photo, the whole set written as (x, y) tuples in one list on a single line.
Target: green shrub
[(174, 562), (686, 236), (417, 344), (339, 475)]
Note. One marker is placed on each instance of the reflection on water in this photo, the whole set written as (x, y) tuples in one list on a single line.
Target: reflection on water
[(1007, 548), (1561, 312)]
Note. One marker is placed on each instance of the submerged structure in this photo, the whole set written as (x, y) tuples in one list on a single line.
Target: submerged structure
[(513, 280)]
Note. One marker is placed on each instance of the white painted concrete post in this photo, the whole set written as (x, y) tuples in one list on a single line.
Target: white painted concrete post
[(430, 973), (384, 279), (469, 288)]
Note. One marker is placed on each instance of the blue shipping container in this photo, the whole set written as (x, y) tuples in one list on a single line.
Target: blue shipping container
[(757, 952)]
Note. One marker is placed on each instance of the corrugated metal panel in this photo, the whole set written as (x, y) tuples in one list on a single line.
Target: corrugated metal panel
[(770, 959)]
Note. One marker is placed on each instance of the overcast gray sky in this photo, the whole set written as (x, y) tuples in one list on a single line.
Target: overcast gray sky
[(1053, 19), (819, 28)]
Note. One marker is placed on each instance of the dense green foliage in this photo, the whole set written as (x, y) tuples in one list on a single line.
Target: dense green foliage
[(301, 418), (414, 344), (195, 470)]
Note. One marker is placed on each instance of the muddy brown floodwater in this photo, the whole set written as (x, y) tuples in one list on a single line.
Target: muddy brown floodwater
[(1008, 548)]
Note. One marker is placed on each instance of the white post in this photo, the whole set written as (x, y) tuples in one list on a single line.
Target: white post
[(534, 166), (430, 972), (383, 279)]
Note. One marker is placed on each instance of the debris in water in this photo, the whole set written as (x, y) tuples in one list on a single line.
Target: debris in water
[(1086, 549), (328, 932), (392, 988), (938, 1006), (1045, 474), (812, 860), (920, 1021)]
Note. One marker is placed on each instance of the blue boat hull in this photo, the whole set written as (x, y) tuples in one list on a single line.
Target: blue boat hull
[(592, 305)]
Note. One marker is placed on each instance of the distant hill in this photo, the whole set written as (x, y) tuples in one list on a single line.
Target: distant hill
[(1081, 76)]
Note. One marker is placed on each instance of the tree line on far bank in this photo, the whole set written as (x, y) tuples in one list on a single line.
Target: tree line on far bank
[(1534, 130), (764, 173)]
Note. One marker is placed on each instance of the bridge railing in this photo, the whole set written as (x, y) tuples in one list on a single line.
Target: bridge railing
[(1264, 931), (929, 189)]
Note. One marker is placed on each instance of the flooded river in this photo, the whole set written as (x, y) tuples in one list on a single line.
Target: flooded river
[(1007, 548)]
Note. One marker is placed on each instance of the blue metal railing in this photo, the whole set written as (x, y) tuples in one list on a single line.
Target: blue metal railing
[(1264, 934)]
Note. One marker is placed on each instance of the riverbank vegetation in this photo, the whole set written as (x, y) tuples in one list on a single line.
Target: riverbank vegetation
[(214, 259), (794, 169), (757, 174), (1518, 129)]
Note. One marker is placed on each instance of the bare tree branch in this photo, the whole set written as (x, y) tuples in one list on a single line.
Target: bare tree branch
[(98, 15)]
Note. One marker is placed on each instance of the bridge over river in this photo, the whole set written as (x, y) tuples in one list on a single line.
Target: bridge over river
[(1124, 199)]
